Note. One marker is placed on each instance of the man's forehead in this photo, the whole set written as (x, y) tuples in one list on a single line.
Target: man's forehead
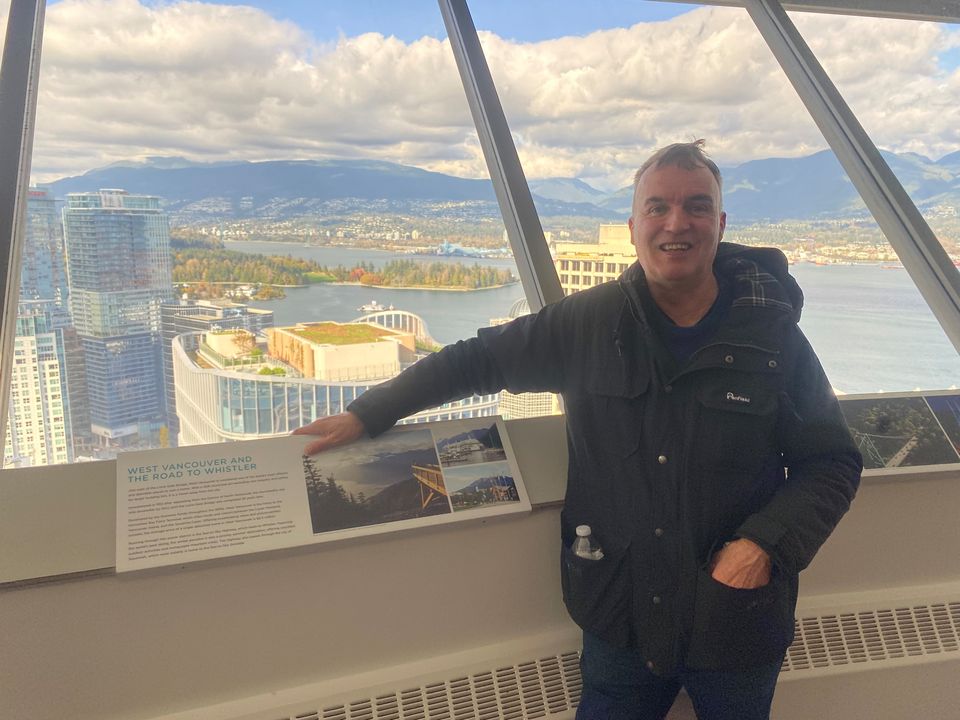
[(671, 181)]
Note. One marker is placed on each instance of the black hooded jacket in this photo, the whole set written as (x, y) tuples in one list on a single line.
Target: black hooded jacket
[(669, 460)]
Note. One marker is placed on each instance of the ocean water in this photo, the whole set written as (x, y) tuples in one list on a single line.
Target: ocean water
[(872, 330), (869, 325)]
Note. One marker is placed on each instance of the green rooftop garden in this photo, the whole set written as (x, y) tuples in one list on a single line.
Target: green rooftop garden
[(329, 333)]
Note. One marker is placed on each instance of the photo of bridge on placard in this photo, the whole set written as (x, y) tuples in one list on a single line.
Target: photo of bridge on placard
[(904, 431)]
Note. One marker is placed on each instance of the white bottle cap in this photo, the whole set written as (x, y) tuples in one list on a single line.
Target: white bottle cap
[(583, 531)]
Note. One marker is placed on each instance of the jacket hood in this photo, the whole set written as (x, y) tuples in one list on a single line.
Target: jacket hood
[(758, 276), (761, 277)]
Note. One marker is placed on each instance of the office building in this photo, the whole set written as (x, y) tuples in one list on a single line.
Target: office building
[(229, 386), (583, 265), (190, 316), (43, 271), (38, 431), (43, 276), (119, 269)]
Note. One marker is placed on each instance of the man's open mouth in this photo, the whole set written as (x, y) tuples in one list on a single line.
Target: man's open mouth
[(675, 247)]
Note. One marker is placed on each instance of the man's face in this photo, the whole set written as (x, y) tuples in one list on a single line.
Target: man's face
[(676, 226)]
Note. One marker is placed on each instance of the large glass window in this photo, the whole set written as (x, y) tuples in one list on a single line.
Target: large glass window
[(901, 79), (217, 190), (4, 12), (588, 104)]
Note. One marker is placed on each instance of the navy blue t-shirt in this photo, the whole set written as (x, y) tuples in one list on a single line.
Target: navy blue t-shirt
[(683, 342)]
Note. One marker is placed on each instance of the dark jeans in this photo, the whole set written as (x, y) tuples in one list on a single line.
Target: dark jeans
[(618, 686)]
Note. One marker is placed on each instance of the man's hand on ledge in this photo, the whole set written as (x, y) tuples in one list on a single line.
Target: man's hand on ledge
[(741, 564), (332, 432)]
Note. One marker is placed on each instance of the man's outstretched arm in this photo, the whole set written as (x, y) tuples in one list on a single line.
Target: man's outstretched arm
[(523, 355)]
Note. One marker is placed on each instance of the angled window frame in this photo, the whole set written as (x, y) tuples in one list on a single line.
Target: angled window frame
[(539, 278), (19, 72), (932, 10)]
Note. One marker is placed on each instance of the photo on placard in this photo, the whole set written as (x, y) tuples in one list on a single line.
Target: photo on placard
[(476, 486), (397, 477), (897, 432), (947, 410), (467, 442)]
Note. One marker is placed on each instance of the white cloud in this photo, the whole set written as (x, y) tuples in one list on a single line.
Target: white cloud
[(120, 81), (4, 12)]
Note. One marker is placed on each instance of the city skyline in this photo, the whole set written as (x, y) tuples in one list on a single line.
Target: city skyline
[(218, 82), (106, 231)]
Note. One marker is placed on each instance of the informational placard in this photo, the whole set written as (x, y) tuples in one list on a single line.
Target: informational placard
[(210, 501), (919, 430)]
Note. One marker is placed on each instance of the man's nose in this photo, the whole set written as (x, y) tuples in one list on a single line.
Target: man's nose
[(676, 220)]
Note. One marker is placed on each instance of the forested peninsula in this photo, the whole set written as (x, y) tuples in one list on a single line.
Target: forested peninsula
[(216, 272)]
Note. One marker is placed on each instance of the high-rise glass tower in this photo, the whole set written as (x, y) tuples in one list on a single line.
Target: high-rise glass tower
[(43, 272), (118, 264), (43, 277)]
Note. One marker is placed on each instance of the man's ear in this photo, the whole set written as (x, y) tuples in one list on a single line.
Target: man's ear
[(723, 224), (630, 225)]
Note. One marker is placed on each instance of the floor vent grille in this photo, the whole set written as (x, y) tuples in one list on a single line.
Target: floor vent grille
[(874, 635), (551, 685)]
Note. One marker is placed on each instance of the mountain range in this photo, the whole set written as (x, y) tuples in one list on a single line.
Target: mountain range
[(773, 189)]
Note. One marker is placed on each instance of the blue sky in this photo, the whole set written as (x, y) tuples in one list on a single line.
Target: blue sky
[(524, 20), (949, 60)]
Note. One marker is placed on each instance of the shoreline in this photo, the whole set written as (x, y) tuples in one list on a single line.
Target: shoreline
[(419, 287), (347, 284), (405, 251)]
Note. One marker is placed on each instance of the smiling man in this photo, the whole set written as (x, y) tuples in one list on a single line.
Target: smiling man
[(707, 451)]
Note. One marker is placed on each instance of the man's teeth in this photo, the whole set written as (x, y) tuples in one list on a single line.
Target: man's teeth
[(675, 246)]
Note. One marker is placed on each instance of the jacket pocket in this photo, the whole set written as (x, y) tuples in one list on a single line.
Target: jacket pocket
[(735, 628), (597, 593), (616, 402), (737, 425)]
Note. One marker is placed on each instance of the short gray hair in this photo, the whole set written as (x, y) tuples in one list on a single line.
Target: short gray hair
[(688, 156)]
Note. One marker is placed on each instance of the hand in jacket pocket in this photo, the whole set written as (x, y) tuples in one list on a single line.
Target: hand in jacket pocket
[(741, 564)]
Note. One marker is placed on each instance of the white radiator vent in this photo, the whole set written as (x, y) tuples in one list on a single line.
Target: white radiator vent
[(874, 635), (542, 688), (536, 689)]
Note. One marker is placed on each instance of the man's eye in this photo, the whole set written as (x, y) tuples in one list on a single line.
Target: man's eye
[(700, 209), (656, 209)]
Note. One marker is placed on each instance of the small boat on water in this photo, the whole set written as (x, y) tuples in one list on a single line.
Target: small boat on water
[(373, 306)]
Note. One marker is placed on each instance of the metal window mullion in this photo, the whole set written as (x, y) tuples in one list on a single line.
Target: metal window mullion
[(537, 274), (904, 227), (18, 101), (928, 10)]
